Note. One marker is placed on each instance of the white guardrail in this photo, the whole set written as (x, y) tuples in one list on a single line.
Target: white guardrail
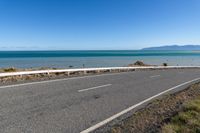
[(90, 69)]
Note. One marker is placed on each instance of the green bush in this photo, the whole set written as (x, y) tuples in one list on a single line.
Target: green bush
[(165, 64), (187, 121), (12, 69)]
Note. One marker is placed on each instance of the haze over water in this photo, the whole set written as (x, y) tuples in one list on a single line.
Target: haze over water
[(100, 58)]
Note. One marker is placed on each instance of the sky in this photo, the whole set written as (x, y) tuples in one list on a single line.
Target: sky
[(97, 24)]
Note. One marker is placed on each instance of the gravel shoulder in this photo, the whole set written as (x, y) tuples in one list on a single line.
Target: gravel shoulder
[(157, 115)]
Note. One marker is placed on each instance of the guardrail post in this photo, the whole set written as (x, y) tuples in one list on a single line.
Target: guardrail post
[(85, 71), (68, 73), (48, 73)]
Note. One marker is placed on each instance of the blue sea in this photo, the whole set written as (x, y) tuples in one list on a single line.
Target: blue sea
[(98, 58)]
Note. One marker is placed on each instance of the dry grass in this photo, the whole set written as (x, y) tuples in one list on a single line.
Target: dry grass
[(187, 121), (11, 69)]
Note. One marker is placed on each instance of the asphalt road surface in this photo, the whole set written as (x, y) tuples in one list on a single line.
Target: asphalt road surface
[(75, 104)]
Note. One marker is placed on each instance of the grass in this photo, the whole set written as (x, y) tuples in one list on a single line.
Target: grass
[(186, 121), (11, 69)]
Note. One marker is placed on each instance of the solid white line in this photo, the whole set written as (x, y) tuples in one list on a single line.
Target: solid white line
[(64, 79), (154, 76), (98, 125), (92, 88)]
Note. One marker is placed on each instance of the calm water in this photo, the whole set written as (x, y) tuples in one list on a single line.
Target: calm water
[(64, 59)]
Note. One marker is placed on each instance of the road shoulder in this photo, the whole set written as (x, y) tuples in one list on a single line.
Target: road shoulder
[(154, 115)]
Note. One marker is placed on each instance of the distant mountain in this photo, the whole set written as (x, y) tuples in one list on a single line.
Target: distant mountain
[(174, 47)]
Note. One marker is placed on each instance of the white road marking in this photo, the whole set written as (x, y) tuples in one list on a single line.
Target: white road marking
[(64, 79), (98, 125), (92, 88), (154, 76)]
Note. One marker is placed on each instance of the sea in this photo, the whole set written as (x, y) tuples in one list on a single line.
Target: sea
[(95, 58)]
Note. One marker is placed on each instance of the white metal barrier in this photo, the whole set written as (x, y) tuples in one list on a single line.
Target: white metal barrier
[(91, 69)]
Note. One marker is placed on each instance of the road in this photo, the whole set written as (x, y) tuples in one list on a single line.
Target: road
[(75, 104)]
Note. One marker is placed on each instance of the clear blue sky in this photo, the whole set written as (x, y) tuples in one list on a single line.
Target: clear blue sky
[(97, 24)]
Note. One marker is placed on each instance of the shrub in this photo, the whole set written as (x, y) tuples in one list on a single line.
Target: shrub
[(165, 64), (12, 69), (139, 63)]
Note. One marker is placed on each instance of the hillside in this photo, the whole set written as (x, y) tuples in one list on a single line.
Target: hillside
[(174, 47)]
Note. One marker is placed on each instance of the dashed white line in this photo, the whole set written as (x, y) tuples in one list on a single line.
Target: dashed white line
[(98, 125), (154, 76), (92, 88)]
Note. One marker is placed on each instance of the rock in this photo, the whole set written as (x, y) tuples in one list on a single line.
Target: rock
[(138, 63)]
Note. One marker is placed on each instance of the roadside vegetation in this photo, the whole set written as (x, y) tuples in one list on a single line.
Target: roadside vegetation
[(11, 69), (187, 120), (165, 64), (138, 63)]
